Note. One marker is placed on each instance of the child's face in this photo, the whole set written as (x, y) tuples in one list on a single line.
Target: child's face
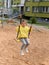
[(24, 23)]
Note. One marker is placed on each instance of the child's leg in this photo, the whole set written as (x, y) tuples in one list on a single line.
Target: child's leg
[(23, 46), (23, 43), (27, 44)]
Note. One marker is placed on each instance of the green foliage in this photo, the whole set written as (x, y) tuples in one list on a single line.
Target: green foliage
[(32, 20)]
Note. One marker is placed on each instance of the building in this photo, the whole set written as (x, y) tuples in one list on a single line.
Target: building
[(1, 3), (7, 3), (22, 3), (16, 2), (5, 6), (37, 8), (9, 6), (19, 4)]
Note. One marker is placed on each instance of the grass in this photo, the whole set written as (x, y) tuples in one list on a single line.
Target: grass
[(46, 24)]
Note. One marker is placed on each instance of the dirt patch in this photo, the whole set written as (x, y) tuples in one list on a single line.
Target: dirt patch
[(10, 49)]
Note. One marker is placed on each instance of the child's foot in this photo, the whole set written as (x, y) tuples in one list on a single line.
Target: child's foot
[(22, 53), (26, 50)]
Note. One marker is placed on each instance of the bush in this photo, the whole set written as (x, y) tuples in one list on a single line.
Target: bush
[(32, 20)]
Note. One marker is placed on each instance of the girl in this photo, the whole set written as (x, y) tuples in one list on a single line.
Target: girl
[(23, 32)]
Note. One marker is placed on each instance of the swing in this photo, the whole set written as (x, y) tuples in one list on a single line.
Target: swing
[(18, 34)]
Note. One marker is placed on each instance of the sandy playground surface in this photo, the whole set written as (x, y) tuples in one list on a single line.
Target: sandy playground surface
[(10, 49)]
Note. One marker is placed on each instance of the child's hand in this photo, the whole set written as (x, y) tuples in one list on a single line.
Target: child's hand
[(17, 39)]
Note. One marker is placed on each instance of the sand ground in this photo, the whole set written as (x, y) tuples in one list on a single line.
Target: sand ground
[(10, 49)]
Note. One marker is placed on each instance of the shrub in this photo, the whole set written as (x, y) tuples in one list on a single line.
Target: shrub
[(32, 20)]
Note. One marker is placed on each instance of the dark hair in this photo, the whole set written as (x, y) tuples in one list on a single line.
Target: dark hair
[(22, 21)]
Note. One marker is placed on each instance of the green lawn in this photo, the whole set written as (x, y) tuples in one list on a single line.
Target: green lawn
[(46, 24)]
